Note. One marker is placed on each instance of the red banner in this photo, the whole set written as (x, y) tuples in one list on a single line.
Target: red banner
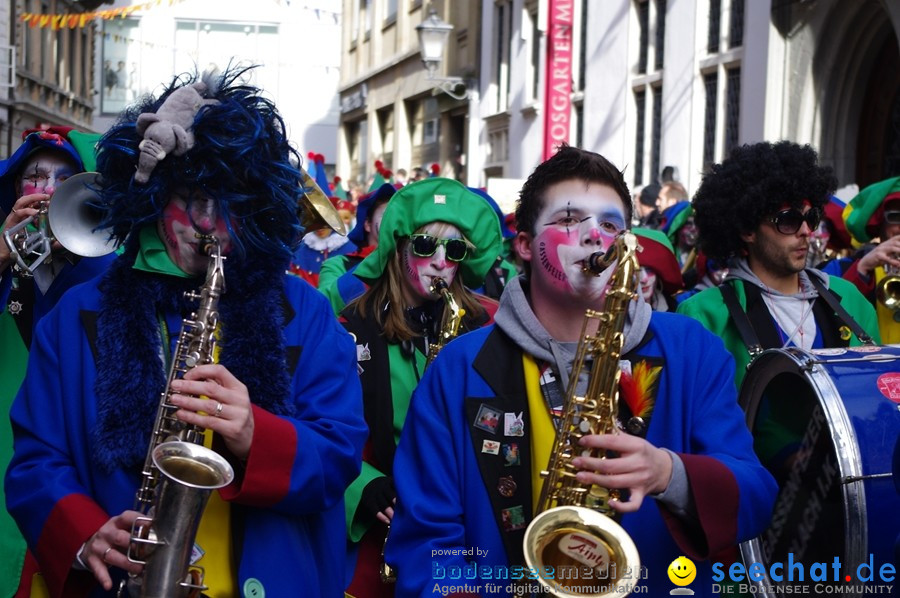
[(558, 92)]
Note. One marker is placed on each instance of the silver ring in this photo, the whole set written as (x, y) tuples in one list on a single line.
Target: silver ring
[(106, 552), (219, 407)]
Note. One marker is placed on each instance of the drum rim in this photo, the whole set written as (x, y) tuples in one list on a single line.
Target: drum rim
[(844, 442)]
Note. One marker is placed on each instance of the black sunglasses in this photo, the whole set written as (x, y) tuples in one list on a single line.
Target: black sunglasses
[(424, 245), (892, 216), (789, 221)]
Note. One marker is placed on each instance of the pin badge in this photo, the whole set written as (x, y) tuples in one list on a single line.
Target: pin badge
[(488, 419), (636, 426), (14, 308), (512, 518), (507, 486), (511, 454), (491, 447), (363, 353), (513, 424), (845, 333), (440, 198)]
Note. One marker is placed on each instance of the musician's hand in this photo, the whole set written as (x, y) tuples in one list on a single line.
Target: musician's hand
[(25, 206), (109, 546), (227, 394), (387, 515), (640, 467), (883, 253)]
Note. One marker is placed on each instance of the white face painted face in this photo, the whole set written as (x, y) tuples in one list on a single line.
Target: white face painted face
[(648, 283), (44, 171), (577, 220), (419, 270)]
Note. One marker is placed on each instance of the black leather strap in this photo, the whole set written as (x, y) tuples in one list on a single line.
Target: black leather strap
[(828, 296), (741, 321)]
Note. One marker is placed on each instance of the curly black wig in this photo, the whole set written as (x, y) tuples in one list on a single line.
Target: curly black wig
[(241, 158), (568, 163), (753, 183)]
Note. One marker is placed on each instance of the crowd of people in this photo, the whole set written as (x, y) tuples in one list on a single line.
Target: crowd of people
[(387, 386)]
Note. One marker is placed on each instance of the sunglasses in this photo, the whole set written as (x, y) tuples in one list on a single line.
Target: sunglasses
[(789, 221), (424, 245), (892, 216)]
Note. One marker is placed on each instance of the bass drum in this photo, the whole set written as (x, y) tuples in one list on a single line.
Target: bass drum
[(826, 424)]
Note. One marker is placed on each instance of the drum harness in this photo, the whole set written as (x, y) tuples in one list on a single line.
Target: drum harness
[(748, 334)]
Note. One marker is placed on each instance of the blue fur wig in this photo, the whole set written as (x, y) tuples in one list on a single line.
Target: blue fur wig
[(241, 157)]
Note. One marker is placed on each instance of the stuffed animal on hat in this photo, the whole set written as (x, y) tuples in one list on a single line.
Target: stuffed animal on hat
[(168, 130)]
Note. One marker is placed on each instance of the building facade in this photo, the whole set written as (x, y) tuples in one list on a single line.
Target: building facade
[(46, 74), (390, 110), (654, 83)]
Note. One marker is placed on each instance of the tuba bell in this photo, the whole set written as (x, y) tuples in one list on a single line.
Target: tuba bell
[(69, 217), (316, 210), (574, 528)]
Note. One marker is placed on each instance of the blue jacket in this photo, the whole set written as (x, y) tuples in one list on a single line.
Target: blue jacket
[(286, 503), (447, 484)]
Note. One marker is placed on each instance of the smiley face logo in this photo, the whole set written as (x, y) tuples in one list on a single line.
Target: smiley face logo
[(682, 571)]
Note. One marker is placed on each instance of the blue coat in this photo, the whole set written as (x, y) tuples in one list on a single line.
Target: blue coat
[(447, 485), (286, 503)]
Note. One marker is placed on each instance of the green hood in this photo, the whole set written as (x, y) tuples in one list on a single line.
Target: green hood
[(438, 200)]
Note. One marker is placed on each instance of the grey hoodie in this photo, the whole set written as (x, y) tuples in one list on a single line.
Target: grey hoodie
[(516, 318)]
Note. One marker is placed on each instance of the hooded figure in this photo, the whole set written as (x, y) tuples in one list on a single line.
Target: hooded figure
[(262, 397), (434, 228), (45, 159)]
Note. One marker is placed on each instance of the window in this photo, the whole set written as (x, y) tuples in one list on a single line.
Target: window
[(534, 66), (582, 46), (503, 25), (710, 84), (715, 19), (121, 60), (649, 18), (390, 11), (386, 129), (644, 26), (721, 72), (732, 108), (431, 131), (640, 105), (660, 33), (736, 24), (656, 132)]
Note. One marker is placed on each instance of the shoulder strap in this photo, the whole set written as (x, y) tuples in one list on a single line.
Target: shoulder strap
[(829, 297), (741, 321)]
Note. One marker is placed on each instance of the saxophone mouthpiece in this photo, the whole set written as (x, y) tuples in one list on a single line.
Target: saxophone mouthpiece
[(438, 285), (208, 244), (598, 262)]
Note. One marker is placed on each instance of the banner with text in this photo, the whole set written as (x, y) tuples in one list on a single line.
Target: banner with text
[(558, 92)]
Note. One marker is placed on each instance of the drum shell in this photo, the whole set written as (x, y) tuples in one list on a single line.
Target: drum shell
[(854, 396)]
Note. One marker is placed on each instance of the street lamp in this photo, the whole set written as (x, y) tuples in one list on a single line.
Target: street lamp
[(433, 33)]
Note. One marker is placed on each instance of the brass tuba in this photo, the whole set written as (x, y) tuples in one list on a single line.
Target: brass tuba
[(574, 527), (179, 473)]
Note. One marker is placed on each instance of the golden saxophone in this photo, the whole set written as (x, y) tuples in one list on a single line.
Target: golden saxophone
[(450, 321), (179, 473), (574, 526)]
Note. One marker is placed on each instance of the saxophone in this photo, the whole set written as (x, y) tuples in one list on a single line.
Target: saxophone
[(179, 473), (450, 321), (574, 527)]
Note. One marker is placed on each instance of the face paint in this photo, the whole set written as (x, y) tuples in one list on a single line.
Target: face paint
[(419, 271), (182, 219), (687, 236), (648, 283), (44, 171), (575, 223)]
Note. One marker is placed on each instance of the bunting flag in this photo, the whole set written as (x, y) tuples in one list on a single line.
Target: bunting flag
[(81, 19)]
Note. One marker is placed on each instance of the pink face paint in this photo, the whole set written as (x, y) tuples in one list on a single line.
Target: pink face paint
[(420, 271), (179, 228), (44, 171), (648, 283), (576, 222)]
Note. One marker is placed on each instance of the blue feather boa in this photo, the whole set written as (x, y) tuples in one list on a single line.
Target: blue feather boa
[(130, 373)]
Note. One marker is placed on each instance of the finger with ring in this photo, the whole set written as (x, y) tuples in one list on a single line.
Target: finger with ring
[(219, 407), (106, 552)]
